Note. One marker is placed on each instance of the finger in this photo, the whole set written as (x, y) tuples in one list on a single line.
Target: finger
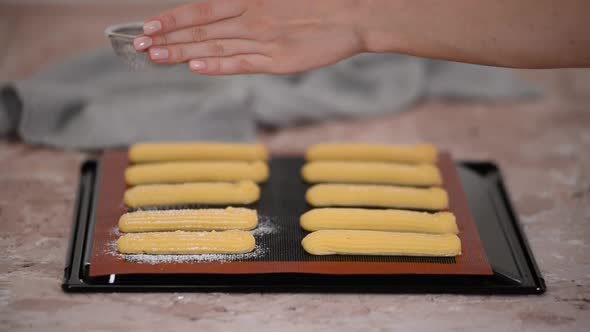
[(214, 48), (196, 34), (193, 14), (227, 29), (232, 65)]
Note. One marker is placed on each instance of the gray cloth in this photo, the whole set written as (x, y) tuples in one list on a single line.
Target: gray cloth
[(95, 101)]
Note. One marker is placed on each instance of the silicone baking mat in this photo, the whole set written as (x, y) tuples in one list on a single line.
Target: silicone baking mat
[(279, 250)]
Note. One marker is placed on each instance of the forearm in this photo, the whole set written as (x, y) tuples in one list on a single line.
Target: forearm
[(229, 37), (517, 33)]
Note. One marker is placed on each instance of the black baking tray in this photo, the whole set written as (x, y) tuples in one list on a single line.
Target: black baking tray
[(506, 247)]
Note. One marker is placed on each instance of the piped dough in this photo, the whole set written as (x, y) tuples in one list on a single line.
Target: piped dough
[(349, 242), (182, 172), (188, 220), (185, 243), (371, 172), (379, 220), (377, 196), (152, 152), (420, 153), (213, 193)]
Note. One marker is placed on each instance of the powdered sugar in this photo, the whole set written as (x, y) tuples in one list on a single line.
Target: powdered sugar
[(266, 226)]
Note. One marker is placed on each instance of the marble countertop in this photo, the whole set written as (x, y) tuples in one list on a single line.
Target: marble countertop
[(543, 148)]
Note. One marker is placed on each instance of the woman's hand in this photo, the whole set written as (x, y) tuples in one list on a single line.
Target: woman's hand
[(226, 37)]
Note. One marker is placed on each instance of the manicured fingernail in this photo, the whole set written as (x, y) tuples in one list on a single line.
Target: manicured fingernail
[(158, 53), (197, 65), (152, 27), (141, 43)]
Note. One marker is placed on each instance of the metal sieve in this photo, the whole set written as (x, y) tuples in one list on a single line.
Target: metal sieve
[(121, 37)]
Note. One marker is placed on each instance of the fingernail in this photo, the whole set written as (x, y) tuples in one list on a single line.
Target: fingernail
[(141, 43), (152, 27), (158, 53), (197, 65)]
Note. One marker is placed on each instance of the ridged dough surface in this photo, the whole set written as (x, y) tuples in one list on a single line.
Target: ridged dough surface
[(379, 220), (377, 196), (420, 153), (179, 243), (151, 152), (354, 242), (371, 172), (214, 193), (188, 220), (182, 172)]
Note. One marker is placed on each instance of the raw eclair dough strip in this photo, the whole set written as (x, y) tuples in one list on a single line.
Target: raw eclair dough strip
[(188, 220), (354, 242), (187, 171), (214, 193), (151, 152), (186, 243), (377, 196), (371, 172), (420, 153), (379, 220)]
